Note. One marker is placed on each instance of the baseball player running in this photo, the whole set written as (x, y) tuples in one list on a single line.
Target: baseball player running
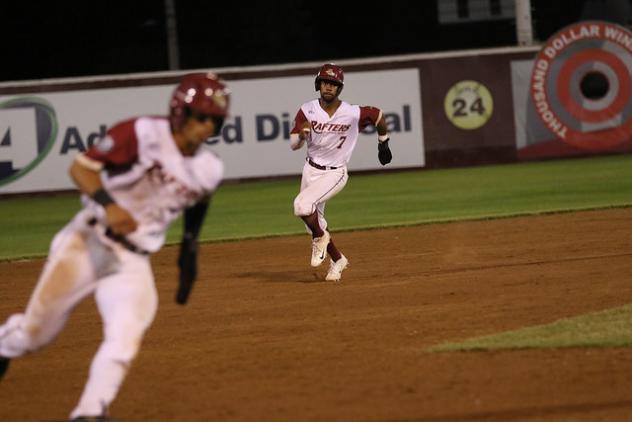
[(134, 183), (330, 127)]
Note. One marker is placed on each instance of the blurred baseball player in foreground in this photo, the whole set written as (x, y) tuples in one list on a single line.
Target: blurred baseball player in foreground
[(134, 183), (330, 127)]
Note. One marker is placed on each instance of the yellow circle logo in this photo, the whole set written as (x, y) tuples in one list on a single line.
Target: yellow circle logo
[(468, 105)]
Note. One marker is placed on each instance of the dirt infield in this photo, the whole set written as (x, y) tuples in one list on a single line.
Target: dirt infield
[(265, 338)]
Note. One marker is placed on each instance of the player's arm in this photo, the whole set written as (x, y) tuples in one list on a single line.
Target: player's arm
[(373, 115), (209, 170), (119, 148), (187, 259), (300, 132), (85, 173), (381, 129)]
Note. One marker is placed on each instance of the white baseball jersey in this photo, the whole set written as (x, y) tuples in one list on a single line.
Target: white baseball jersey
[(147, 175), (333, 138)]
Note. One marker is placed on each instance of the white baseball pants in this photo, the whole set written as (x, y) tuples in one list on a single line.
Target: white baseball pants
[(81, 263), (317, 187)]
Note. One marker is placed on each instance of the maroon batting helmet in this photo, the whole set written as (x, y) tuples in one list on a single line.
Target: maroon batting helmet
[(330, 72), (202, 93)]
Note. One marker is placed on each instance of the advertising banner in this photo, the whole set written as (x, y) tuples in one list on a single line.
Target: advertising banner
[(575, 98), (41, 133)]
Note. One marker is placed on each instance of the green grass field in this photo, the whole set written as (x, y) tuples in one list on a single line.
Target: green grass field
[(609, 328), (264, 208)]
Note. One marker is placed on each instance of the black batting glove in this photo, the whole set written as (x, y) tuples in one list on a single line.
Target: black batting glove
[(187, 260), (384, 152), (187, 263)]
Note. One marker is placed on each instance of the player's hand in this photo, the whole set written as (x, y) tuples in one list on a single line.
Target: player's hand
[(119, 220), (187, 263), (384, 152), (305, 132)]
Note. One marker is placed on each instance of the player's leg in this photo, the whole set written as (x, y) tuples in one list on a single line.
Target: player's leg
[(67, 277), (127, 302), (315, 223), (317, 187), (338, 261), (312, 221), (333, 251)]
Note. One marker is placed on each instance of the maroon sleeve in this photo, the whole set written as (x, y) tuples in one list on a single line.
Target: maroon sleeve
[(118, 148), (299, 121), (368, 116)]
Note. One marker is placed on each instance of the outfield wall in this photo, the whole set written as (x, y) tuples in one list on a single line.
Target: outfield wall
[(443, 110)]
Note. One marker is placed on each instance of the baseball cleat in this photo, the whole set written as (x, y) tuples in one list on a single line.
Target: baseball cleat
[(319, 249), (4, 365), (336, 268)]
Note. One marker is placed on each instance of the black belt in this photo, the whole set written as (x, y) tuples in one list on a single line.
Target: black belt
[(319, 167), (120, 239)]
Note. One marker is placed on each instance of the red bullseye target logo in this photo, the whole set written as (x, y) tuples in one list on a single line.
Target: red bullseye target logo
[(581, 87)]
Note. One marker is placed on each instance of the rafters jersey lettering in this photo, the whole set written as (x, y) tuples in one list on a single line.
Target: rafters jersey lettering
[(329, 127)]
